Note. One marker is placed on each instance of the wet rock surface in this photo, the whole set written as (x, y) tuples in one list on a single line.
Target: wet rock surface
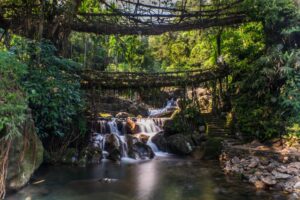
[(180, 144), (265, 169)]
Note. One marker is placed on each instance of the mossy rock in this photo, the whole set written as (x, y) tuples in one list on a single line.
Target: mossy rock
[(105, 115), (213, 147), (180, 144), (25, 157), (185, 121)]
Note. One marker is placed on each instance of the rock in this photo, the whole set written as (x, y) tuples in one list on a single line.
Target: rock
[(105, 115), (264, 161), (268, 180), (93, 155), (295, 165), (122, 115), (279, 175), (107, 180), (169, 128), (235, 160), (179, 144), (198, 139), (273, 164), (291, 170), (131, 127), (297, 185), (112, 146), (252, 179), (253, 162), (143, 138), (114, 155), (138, 150), (294, 196), (259, 184), (290, 184), (25, 156), (144, 150), (70, 156), (160, 141)]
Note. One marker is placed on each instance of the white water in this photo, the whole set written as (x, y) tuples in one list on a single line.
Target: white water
[(113, 126), (155, 112), (146, 126)]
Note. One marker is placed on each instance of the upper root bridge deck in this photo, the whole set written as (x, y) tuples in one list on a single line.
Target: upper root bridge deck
[(125, 80)]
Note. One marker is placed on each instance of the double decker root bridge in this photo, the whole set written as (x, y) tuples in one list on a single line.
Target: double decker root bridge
[(128, 80)]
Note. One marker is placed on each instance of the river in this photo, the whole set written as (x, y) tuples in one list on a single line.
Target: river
[(163, 178)]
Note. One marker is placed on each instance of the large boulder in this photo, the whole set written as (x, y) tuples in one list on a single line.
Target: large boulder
[(112, 146), (180, 144), (25, 156), (137, 149), (122, 115), (185, 121), (160, 141)]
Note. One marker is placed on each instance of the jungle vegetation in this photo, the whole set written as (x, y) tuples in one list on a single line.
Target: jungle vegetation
[(40, 57)]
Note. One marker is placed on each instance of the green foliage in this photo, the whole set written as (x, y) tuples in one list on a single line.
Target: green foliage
[(275, 15), (267, 96), (13, 104), (113, 53), (183, 50), (52, 86), (266, 90), (187, 120), (290, 99)]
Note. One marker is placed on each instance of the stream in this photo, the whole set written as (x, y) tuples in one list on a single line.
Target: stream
[(163, 178)]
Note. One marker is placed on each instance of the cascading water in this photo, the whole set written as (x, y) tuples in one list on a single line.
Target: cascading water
[(113, 126), (148, 127), (171, 104), (144, 126)]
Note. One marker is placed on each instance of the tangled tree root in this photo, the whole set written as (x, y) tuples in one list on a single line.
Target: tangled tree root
[(5, 146)]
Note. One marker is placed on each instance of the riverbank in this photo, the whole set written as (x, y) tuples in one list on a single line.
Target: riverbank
[(269, 167)]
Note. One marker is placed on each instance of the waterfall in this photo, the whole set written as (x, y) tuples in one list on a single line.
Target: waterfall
[(148, 127), (117, 127), (171, 104), (113, 126)]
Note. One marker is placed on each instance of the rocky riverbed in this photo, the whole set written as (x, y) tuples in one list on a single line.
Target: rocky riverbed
[(263, 166)]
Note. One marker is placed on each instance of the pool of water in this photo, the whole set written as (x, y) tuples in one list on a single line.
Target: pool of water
[(163, 178)]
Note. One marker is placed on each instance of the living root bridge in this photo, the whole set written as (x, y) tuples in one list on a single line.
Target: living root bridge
[(134, 80)]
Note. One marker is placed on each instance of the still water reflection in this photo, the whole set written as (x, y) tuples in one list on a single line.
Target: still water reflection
[(158, 179)]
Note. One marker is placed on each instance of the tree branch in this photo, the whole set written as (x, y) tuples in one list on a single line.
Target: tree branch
[(101, 28)]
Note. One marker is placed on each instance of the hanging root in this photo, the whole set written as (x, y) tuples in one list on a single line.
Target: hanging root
[(4, 153)]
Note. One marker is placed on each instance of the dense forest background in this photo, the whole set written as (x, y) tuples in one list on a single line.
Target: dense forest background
[(262, 53)]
